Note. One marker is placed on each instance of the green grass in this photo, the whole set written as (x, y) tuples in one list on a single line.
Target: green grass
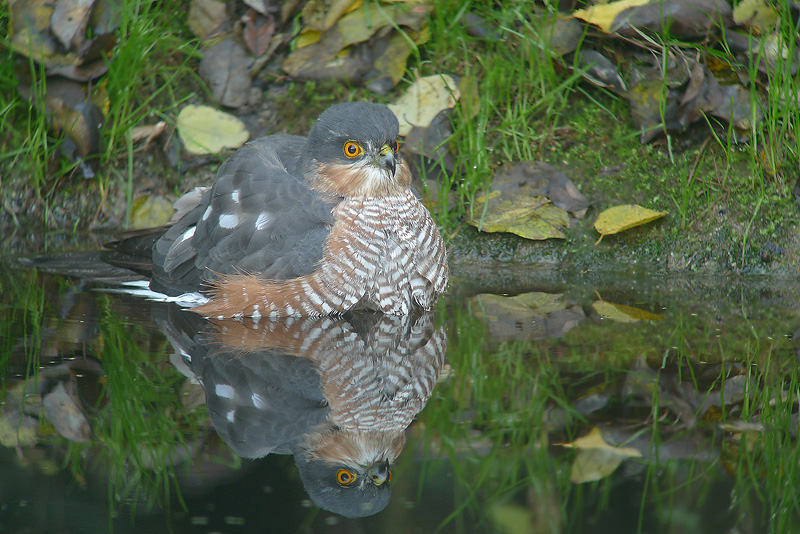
[(728, 201), (495, 422), (148, 76)]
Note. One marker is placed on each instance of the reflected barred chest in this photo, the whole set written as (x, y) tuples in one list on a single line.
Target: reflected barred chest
[(383, 253)]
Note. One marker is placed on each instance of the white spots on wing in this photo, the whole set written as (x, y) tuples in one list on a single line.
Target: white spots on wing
[(187, 234), (207, 213), (258, 401), (224, 390), (263, 220), (229, 220), (235, 196), (231, 416)]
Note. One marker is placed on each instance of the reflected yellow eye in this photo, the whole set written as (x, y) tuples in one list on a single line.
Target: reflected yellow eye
[(352, 149), (345, 477), (389, 476)]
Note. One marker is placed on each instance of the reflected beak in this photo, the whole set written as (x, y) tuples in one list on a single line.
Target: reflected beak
[(379, 473), (386, 159)]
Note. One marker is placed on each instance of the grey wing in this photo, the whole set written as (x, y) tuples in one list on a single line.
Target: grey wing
[(261, 402), (258, 217)]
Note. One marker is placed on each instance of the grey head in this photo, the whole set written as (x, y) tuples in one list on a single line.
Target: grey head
[(352, 150)]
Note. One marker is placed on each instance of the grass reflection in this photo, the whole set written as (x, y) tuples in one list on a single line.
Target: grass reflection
[(711, 405)]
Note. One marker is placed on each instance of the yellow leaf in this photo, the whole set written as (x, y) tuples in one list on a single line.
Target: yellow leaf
[(604, 15), (149, 211), (307, 37), (526, 216), (423, 100), (597, 459), (524, 307), (757, 14), (622, 313), (205, 130), (620, 218)]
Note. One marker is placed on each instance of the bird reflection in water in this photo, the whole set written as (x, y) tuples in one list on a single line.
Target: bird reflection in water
[(336, 393)]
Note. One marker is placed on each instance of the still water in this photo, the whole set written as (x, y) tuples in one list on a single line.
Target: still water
[(527, 402)]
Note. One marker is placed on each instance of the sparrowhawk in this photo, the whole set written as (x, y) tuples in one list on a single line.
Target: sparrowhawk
[(312, 226)]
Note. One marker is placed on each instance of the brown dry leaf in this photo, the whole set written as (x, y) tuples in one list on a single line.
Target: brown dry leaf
[(205, 130), (596, 459), (390, 64), (600, 70), (69, 21), (147, 132), (621, 218), (265, 7), (258, 33), (682, 18), (622, 313), (563, 34), (206, 17), (432, 142), (62, 410), (423, 100), (225, 67)]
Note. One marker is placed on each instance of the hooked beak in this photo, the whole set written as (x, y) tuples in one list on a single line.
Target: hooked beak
[(386, 159), (379, 473)]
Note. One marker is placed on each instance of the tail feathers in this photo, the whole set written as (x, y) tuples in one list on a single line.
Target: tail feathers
[(89, 266)]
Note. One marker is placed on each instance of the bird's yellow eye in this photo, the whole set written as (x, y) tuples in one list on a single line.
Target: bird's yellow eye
[(396, 146), (389, 476), (345, 477), (352, 149)]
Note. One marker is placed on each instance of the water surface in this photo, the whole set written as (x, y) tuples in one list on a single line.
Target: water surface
[(527, 402)]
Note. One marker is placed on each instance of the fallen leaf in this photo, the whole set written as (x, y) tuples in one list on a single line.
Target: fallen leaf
[(390, 64), (61, 409), (225, 67), (758, 14), (148, 132), (529, 217), (205, 130), (150, 211), (622, 313), (620, 218), (206, 17), (29, 23), (322, 14), (69, 21), (258, 33), (596, 459), (265, 7), (524, 307), (18, 430), (527, 316), (347, 51), (423, 100), (600, 71), (562, 34), (604, 15)]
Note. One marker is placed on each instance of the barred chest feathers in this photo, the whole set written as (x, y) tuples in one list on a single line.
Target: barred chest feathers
[(383, 253)]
